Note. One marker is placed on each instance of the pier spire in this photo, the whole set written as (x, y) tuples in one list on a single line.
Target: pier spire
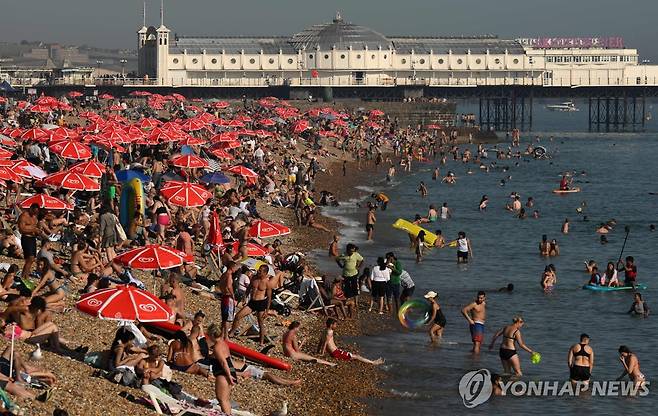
[(144, 14), (161, 12)]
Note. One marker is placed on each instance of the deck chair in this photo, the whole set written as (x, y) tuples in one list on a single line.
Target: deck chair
[(309, 289)]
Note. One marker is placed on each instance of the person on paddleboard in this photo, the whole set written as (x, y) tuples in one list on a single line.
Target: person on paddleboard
[(564, 183)]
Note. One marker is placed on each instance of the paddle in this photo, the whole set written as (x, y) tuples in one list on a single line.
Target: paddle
[(628, 230)]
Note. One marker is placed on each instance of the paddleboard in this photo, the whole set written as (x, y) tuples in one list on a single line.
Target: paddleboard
[(597, 288), (131, 201), (413, 229), (568, 191)]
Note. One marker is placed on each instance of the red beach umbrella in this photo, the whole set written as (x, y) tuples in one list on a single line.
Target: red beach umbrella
[(265, 229), (151, 257), (243, 171), (300, 126), (34, 134), (267, 122), (185, 194), (5, 154), (39, 108), (222, 154), (230, 145), (7, 174), (124, 303), (148, 123), (71, 149), (45, 201), (253, 249), (72, 180), (91, 168), (191, 141), (106, 96), (75, 94), (189, 161)]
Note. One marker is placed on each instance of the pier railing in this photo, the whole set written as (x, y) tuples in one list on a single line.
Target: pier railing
[(375, 80)]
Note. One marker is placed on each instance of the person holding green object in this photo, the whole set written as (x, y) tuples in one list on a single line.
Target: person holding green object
[(393, 289)]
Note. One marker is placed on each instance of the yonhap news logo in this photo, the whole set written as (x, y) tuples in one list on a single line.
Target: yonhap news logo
[(477, 387)]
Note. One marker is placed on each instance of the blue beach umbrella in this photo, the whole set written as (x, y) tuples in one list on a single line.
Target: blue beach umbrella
[(215, 178), (126, 175)]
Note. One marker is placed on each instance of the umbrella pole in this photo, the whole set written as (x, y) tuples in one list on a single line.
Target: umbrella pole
[(11, 352)]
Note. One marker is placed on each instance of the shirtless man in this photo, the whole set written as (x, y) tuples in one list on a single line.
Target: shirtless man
[(228, 302), (327, 345), (292, 347), (476, 314), (371, 220), (581, 361), (631, 366), (27, 225), (422, 189), (260, 292), (83, 263)]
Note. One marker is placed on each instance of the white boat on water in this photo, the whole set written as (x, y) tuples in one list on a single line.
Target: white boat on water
[(567, 106)]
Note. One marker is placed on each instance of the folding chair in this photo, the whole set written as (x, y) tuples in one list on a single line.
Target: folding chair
[(309, 288)]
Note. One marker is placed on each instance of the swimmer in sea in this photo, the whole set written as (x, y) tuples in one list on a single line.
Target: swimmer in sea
[(464, 249), (631, 366), (509, 356), (432, 215), (483, 203), (422, 189), (370, 222), (602, 229), (508, 289), (438, 320), (553, 248), (581, 361), (548, 279), (476, 314), (639, 306), (565, 226), (440, 241)]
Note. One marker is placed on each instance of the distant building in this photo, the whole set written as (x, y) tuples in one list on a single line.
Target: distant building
[(57, 55), (339, 53)]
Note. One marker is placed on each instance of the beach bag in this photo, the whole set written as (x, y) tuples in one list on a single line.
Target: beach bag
[(119, 228), (125, 377)]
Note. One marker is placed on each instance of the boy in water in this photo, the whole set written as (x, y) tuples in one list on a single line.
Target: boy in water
[(327, 344), (630, 271)]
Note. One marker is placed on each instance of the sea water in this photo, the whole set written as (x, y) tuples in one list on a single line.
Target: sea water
[(620, 171)]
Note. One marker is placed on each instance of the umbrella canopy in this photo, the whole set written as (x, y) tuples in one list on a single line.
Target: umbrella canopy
[(189, 161), (300, 126), (72, 180), (46, 202), (106, 96), (185, 194), (222, 154), (75, 94), (71, 149), (191, 141), (38, 108), (253, 249), (125, 175), (214, 178), (124, 303), (34, 134), (91, 168), (264, 229), (243, 171), (7, 174), (5, 154), (151, 257)]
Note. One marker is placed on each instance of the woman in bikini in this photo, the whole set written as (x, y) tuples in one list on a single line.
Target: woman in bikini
[(180, 356), (508, 352), (123, 353), (150, 368), (55, 297)]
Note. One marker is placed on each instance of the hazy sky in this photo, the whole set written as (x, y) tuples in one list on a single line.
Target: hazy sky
[(112, 23)]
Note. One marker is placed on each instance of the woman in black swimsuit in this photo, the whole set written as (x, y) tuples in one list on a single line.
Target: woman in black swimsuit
[(438, 320), (508, 353), (581, 361)]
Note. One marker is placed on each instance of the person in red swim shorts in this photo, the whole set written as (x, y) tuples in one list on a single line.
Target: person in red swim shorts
[(327, 344)]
